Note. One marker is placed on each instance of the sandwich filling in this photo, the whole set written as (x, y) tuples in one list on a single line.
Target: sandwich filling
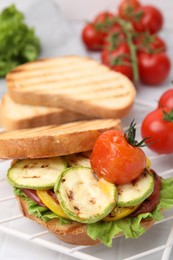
[(66, 188)]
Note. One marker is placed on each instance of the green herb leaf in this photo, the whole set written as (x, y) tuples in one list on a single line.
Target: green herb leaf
[(18, 42)]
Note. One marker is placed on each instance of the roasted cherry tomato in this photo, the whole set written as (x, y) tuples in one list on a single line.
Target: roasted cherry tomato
[(147, 18), (118, 59), (114, 159), (158, 125), (153, 68), (127, 7), (166, 99), (91, 37)]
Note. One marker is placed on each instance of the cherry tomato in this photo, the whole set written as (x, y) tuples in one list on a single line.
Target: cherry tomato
[(150, 43), (127, 8), (103, 18), (92, 38), (115, 37), (147, 18), (125, 70), (153, 68), (114, 159), (102, 24), (118, 60), (166, 99), (159, 130)]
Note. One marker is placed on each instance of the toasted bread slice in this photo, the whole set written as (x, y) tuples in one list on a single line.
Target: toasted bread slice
[(75, 83), (73, 233), (17, 116), (53, 140)]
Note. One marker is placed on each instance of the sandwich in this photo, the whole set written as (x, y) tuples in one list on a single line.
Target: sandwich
[(74, 83), (86, 182), (19, 116)]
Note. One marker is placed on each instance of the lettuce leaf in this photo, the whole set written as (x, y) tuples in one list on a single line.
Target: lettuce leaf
[(131, 227), (18, 42), (40, 212)]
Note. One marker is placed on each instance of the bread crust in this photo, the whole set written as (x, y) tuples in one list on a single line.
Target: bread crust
[(53, 140), (17, 116), (73, 233)]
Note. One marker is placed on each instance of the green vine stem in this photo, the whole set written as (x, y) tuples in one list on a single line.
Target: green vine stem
[(128, 30)]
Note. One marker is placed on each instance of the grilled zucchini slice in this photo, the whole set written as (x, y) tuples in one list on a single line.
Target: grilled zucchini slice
[(137, 191), (75, 160), (38, 174), (83, 197)]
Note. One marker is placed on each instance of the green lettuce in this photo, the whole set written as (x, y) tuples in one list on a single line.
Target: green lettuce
[(131, 227), (38, 211), (18, 42)]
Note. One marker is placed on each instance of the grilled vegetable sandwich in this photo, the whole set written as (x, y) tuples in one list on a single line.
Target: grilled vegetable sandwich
[(86, 182)]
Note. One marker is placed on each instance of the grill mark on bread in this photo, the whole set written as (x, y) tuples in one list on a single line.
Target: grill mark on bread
[(49, 62), (58, 78), (87, 87), (69, 67), (69, 128)]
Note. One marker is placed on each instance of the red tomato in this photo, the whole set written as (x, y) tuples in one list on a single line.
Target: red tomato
[(166, 99), (159, 130), (107, 55), (118, 60), (148, 18), (150, 43), (92, 38), (94, 34), (102, 24), (103, 17), (153, 68), (127, 8), (114, 159), (115, 37), (125, 70)]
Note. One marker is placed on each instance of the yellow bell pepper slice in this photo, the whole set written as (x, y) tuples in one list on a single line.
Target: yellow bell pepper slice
[(120, 212), (51, 203), (148, 163)]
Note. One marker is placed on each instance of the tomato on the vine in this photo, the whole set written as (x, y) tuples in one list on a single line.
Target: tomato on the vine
[(158, 125), (147, 18), (153, 68), (127, 7), (91, 37), (118, 59), (116, 160), (102, 24), (149, 43), (166, 99), (103, 17)]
